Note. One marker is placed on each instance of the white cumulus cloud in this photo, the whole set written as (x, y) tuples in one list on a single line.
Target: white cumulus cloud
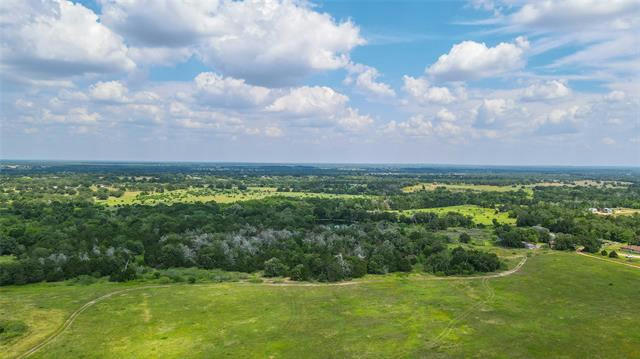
[(52, 39), (310, 101), (470, 60), (365, 79), (262, 41), (421, 91), (216, 90), (547, 90)]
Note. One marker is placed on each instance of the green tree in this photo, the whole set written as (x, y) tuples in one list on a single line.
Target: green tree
[(464, 238), (275, 268)]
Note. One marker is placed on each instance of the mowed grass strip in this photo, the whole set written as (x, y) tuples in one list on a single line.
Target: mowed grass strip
[(558, 305)]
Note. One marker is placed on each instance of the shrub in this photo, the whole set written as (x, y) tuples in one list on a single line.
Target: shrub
[(464, 238), (85, 280), (613, 254), (275, 268), (604, 253), (564, 242), (591, 245), (301, 273)]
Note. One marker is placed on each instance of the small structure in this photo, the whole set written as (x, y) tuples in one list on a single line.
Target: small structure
[(601, 210), (631, 248)]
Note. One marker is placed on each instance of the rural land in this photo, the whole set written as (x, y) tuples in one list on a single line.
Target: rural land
[(210, 260)]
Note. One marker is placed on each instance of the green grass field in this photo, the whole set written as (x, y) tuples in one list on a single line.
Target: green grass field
[(7, 259), (479, 214), (219, 196), (465, 187), (558, 305), (430, 186)]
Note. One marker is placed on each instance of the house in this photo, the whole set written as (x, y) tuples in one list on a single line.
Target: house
[(601, 210), (631, 248)]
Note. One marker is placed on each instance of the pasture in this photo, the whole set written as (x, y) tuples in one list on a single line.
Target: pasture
[(208, 195), (464, 187), (479, 214), (426, 186), (553, 307)]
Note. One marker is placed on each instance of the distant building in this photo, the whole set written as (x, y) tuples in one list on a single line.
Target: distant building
[(601, 210), (631, 248)]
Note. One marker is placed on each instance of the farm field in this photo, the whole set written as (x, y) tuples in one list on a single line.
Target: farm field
[(480, 215), (398, 316), (219, 196)]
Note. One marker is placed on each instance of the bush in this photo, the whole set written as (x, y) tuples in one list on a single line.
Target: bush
[(191, 280), (564, 242), (358, 267), (84, 280), (464, 238), (301, 273), (591, 245), (275, 268), (613, 254), (604, 253), (124, 275)]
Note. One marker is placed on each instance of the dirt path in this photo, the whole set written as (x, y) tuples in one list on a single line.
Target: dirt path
[(608, 260), (53, 336), (75, 314)]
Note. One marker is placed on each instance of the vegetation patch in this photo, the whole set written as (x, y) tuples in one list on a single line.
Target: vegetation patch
[(405, 316), (465, 187), (11, 329), (479, 215), (210, 195)]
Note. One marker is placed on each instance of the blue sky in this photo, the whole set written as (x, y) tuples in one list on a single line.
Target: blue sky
[(464, 82)]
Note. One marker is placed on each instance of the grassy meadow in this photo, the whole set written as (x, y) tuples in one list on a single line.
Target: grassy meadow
[(558, 305), (208, 195), (479, 214), (429, 186), (464, 187)]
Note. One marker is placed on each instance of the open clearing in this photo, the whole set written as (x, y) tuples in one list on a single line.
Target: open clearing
[(208, 195), (625, 211), (527, 188), (465, 187), (480, 214), (530, 313)]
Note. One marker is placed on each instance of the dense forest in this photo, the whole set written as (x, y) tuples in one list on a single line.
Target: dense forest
[(56, 223)]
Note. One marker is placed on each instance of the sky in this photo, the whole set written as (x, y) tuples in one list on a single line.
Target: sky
[(495, 82)]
